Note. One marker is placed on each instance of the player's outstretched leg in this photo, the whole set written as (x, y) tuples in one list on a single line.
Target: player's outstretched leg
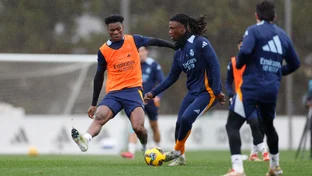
[(181, 160), (103, 115), (185, 126), (137, 122), (233, 125)]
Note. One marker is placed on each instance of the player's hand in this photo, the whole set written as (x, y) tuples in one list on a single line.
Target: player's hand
[(91, 111), (157, 101), (147, 97), (221, 98)]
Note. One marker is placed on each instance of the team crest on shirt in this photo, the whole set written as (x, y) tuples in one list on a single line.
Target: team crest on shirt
[(191, 53)]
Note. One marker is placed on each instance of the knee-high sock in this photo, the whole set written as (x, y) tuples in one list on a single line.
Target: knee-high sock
[(180, 144)]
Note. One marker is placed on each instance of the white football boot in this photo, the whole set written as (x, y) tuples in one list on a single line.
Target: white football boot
[(180, 161), (80, 140), (171, 155)]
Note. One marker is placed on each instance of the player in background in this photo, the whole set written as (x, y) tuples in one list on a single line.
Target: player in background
[(195, 57), (152, 75), (234, 76), (265, 45), (120, 57)]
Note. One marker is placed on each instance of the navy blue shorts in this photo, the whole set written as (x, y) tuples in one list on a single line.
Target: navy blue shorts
[(151, 110), (127, 99), (247, 107), (194, 106)]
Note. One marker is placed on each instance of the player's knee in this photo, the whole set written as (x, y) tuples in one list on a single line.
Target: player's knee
[(101, 117), (228, 128), (138, 128), (231, 128), (186, 121)]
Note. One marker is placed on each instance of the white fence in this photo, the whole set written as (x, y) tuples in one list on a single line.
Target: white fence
[(51, 134)]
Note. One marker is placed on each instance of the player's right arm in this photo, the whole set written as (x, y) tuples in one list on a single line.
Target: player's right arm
[(229, 80), (97, 83), (167, 82), (246, 49)]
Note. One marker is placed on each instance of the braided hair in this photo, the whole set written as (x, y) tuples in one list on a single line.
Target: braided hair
[(195, 26)]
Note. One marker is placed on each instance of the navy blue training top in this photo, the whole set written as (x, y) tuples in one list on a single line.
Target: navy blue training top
[(200, 63), (265, 45)]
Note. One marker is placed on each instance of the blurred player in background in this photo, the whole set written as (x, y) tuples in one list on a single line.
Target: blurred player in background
[(120, 57), (152, 74), (234, 75), (195, 57), (265, 45)]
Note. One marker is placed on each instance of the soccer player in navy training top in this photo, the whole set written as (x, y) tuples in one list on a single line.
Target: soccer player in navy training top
[(120, 57), (196, 57), (234, 76), (152, 75), (265, 45)]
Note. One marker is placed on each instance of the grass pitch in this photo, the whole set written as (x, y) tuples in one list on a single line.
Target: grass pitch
[(199, 163)]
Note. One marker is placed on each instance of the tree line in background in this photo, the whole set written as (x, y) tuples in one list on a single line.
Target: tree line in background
[(51, 27)]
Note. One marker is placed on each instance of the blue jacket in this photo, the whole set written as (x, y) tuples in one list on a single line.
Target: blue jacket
[(265, 45)]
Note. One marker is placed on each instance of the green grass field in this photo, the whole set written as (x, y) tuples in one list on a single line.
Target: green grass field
[(206, 163)]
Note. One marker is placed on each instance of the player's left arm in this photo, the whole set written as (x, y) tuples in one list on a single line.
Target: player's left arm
[(213, 66), (246, 49), (151, 41), (291, 58)]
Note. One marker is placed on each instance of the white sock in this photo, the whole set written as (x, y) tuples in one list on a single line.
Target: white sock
[(157, 144), (237, 163), (143, 147), (274, 160), (261, 147), (177, 152), (183, 155), (131, 147), (88, 137), (254, 150)]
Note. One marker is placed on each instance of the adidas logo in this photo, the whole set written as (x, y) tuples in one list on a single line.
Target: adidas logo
[(204, 44), (197, 111), (273, 46), (20, 137)]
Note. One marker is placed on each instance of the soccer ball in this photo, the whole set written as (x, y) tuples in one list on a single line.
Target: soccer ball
[(154, 156)]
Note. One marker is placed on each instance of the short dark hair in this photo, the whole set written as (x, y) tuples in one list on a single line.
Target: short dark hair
[(196, 26), (114, 19), (266, 10)]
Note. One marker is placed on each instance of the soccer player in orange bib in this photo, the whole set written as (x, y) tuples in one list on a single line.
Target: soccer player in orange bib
[(120, 57)]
